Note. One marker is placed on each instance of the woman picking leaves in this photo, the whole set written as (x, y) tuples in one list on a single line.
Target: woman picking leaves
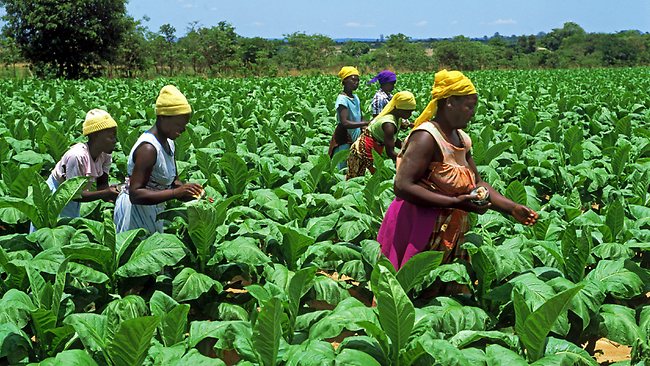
[(387, 80), (90, 159), (151, 168), (435, 179), (381, 133), (348, 113)]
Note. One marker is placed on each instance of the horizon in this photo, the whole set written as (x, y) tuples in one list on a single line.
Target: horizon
[(369, 20)]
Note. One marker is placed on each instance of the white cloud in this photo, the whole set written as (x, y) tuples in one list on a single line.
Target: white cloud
[(421, 23), (188, 6), (214, 8), (454, 22), (358, 25), (503, 22), (258, 24)]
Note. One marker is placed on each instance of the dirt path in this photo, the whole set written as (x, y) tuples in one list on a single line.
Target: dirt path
[(608, 352)]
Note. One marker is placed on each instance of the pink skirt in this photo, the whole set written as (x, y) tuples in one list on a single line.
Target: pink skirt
[(406, 230)]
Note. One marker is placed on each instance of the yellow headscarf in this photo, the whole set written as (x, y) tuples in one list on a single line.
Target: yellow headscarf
[(446, 84), (348, 71), (402, 100)]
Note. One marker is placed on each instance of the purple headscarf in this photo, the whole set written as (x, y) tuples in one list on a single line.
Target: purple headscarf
[(384, 77)]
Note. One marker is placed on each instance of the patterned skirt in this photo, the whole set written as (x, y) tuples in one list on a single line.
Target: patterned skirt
[(360, 156)]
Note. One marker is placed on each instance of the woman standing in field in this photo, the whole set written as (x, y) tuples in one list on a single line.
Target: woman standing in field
[(387, 80), (151, 169), (381, 132), (436, 178), (90, 159), (348, 113)]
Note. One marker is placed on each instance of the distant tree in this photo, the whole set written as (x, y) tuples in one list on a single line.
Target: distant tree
[(132, 54), (553, 40), (190, 46), (401, 53), (464, 54), (355, 49), (168, 34), (219, 46), (304, 51), (9, 53), (66, 38)]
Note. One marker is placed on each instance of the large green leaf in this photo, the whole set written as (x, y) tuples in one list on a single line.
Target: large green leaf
[(516, 191), (532, 327), (132, 340), (73, 357), (347, 314), (578, 355), (615, 279), (91, 329), (202, 228), (586, 303), (173, 325), (310, 353), (189, 285), (154, 253), (268, 331), (396, 312), (353, 357), (615, 218), (200, 330), (123, 241), (121, 309), (236, 173), (69, 189), (500, 356), (415, 270), (575, 252), (299, 285), (618, 323), (294, 244), (450, 317)]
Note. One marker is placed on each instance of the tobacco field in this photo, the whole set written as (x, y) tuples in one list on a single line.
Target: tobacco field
[(282, 267)]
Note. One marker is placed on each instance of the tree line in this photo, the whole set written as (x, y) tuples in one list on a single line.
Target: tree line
[(87, 38)]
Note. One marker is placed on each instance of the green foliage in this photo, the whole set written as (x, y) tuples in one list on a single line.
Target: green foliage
[(52, 37)]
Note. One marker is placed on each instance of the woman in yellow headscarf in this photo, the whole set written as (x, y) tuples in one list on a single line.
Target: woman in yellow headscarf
[(348, 113), (436, 179), (381, 132), (151, 168)]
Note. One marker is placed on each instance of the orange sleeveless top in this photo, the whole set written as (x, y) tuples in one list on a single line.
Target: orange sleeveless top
[(452, 176)]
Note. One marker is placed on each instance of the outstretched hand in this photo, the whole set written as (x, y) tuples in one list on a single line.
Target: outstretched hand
[(524, 214)]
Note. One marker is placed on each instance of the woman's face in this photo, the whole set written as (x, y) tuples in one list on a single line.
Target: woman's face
[(351, 82), (388, 87), (173, 126), (403, 113), (105, 139), (461, 109)]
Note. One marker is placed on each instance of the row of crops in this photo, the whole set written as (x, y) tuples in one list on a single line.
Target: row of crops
[(282, 268)]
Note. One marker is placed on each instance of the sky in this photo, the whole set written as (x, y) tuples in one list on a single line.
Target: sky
[(415, 18)]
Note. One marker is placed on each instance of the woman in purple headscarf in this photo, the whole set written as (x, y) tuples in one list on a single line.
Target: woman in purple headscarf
[(387, 81)]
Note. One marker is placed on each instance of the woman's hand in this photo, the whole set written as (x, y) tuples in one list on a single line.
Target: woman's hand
[(465, 203), (188, 191), (111, 193), (524, 214)]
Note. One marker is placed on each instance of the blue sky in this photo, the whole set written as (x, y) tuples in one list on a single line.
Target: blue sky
[(415, 18)]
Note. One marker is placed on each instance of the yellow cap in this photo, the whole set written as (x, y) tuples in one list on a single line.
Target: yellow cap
[(171, 102), (97, 120), (348, 71)]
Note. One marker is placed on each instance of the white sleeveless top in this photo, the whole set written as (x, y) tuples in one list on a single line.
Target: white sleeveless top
[(164, 170)]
